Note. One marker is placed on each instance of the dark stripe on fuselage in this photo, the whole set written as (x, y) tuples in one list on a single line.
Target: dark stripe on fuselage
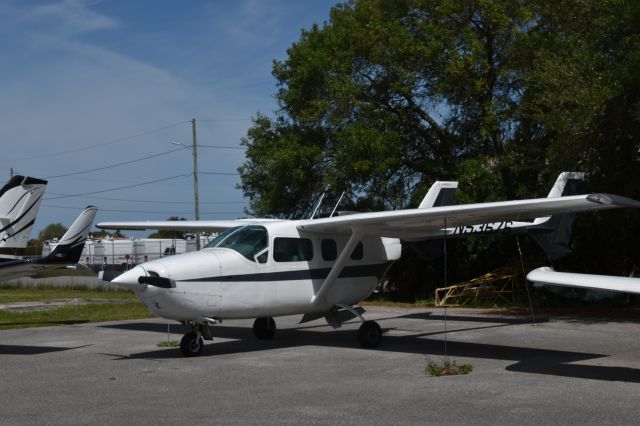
[(26, 194), (358, 271), (22, 229), (67, 253), (21, 216)]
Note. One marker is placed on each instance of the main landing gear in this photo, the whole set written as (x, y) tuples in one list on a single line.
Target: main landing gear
[(264, 328), (369, 334)]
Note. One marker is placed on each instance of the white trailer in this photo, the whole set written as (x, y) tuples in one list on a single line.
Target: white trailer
[(122, 253)]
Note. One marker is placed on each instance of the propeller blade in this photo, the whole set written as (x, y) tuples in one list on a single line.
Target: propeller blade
[(156, 281)]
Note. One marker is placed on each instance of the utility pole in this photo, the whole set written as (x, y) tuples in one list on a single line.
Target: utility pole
[(194, 151)]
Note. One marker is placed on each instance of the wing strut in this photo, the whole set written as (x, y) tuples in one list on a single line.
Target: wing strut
[(321, 295)]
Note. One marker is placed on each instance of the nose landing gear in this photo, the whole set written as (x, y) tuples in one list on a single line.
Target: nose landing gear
[(191, 344)]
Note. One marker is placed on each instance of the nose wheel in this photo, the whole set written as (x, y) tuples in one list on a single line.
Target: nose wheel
[(264, 328), (191, 344)]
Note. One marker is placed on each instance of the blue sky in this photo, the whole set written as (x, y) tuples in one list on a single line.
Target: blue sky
[(86, 84)]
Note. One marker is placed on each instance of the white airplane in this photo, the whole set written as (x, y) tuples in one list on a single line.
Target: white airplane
[(548, 276), (314, 267), (20, 200), (66, 253)]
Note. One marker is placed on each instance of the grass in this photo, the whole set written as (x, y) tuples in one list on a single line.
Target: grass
[(446, 367), (125, 306), (168, 344), (381, 301), (16, 294), (76, 314), (79, 271)]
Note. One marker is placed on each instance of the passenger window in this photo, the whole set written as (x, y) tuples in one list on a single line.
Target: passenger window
[(292, 249), (329, 249), (357, 252)]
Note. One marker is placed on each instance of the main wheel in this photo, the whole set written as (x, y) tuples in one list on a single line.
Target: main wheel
[(264, 328), (191, 344), (369, 334)]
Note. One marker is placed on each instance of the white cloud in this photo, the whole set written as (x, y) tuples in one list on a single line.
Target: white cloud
[(70, 79), (68, 17)]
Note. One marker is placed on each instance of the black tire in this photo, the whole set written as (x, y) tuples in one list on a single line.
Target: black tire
[(264, 328), (191, 344), (369, 334)]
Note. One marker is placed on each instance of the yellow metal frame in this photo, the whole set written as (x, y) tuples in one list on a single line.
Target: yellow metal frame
[(500, 285)]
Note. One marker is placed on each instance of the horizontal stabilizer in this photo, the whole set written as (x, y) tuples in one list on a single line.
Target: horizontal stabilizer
[(548, 276)]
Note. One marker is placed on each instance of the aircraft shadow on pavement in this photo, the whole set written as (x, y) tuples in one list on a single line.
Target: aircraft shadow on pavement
[(527, 360), (470, 318), (32, 350), (150, 326)]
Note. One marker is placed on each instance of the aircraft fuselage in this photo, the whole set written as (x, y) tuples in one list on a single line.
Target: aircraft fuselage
[(279, 275)]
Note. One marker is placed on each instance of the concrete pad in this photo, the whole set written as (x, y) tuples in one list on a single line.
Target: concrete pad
[(562, 371)]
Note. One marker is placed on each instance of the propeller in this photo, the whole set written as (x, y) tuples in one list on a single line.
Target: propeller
[(157, 281)]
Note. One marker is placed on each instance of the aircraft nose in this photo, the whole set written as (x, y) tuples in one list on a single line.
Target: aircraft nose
[(129, 279)]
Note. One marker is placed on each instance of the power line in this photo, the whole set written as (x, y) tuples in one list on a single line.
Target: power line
[(121, 187), (111, 142), (223, 119), (115, 165), (148, 201), (222, 146), (219, 173)]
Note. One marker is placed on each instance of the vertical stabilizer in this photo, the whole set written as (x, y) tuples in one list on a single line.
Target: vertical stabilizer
[(553, 233), (440, 194), (20, 200), (69, 248)]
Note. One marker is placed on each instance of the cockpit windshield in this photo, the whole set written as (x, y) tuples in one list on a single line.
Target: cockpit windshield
[(247, 240)]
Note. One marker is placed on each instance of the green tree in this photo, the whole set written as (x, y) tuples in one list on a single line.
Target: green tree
[(51, 231), (502, 95), (166, 233)]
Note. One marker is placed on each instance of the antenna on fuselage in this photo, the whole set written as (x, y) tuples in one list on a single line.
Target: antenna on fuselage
[(337, 204), (317, 206)]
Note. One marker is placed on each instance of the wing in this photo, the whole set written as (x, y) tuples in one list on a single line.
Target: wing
[(416, 223), (183, 225), (548, 276)]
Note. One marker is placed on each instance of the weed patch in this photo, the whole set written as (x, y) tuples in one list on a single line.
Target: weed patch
[(446, 367)]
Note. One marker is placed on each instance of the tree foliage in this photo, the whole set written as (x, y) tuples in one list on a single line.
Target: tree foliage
[(51, 231), (162, 233), (501, 95)]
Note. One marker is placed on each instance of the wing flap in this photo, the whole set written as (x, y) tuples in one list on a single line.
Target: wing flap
[(182, 225)]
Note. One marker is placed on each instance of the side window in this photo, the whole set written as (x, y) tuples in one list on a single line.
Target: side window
[(329, 249), (357, 252), (292, 249)]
